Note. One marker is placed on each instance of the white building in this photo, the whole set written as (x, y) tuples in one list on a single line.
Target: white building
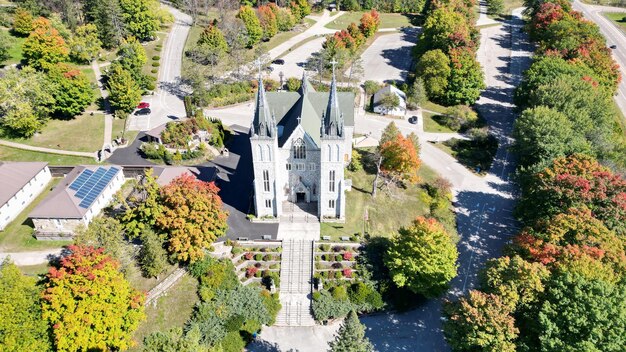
[(20, 184), (301, 142), (400, 110), (76, 200)]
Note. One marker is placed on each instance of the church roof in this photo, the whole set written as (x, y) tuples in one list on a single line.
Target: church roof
[(310, 107)]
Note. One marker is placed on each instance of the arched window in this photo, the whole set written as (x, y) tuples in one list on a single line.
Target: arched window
[(338, 153), (330, 153), (299, 149), (260, 152), (269, 153)]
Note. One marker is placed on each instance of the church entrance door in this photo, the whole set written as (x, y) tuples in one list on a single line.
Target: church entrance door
[(300, 197)]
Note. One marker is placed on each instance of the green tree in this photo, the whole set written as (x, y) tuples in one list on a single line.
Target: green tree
[(212, 42), (152, 256), (480, 322), (71, 89), (417, 94), (192, 215), (495, 7), (371, 87), (124, 92), (434, 68), (22, 22), (140, 18), (44, 46), (6, 43), (389, 101), (355, 161), (578, 314), (466, 78), (543, 134), (515, 281), (85, 45), (351, 336), (21, 326), (293, 84), (25, 101), (89, 304), (253, 26), (142, 209), (445, 29), (422, 257), (132, 57), (390, 133), (106, 232), (174, 340)]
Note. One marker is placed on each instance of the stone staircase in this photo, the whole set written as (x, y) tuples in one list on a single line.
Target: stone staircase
[(296, 273)]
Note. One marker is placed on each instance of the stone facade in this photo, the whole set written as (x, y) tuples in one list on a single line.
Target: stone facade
[(300, 157)]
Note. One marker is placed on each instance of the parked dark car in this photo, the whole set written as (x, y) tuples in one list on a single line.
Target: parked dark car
[(145, 111), (613, 46), (279, 62), (413, 120)]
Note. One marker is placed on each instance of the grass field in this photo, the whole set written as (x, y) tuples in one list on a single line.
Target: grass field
[(118, 128), (429, 105), (18, 235), (15, 52), (14, 154), (431, 125), (616, 17), (387, 20), (171, 310), (84, 133), (387, 212)]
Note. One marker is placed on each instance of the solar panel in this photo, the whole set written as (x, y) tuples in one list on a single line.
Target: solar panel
[(91, 185)]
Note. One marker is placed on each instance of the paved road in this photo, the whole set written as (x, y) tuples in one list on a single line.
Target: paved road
[(614, 36), (295, 60), (167, 101), (484, 219), (389, 56)]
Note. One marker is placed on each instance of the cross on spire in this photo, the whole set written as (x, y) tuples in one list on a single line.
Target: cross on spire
[(333, 63), (259, 64)]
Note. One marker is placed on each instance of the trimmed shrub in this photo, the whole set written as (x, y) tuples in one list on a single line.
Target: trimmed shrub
[(347, 256), (248, 256), (156, 58), (347, 272), (258, 257), (156, 64)]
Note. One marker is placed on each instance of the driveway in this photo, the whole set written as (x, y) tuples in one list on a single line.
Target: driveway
[(389, 58), (296, 59), (167, 101)]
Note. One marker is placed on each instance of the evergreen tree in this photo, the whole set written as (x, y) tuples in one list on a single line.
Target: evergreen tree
[(351, 336), (389, 133), (213, 43), (107, 16)]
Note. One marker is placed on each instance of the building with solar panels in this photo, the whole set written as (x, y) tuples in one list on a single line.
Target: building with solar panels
[(77, 199)]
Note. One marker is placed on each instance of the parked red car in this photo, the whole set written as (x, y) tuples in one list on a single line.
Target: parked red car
[(143, 105)]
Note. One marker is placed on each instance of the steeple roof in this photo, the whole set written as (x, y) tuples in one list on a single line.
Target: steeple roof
[(333, 119), (263, 123)]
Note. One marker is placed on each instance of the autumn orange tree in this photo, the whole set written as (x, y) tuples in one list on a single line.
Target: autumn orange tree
[(192, 216), (44, 46), (400, 159), (89, 304), (370, 21)]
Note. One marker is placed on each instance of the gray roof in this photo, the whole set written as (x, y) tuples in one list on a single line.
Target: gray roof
[(15, 175), (165, 174), (156, 132), (288, 106), (386, 90), (62, 203)]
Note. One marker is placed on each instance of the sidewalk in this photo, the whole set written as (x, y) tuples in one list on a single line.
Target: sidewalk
[(46, 150)]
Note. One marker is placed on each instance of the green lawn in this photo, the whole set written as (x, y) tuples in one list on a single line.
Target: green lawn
[(429, 105), (16, 49), (387, 212), (171, 311), (387, 20), (18, 235), (35, 270), (616, 17), (14, 154), (83, 133), (431, 125)]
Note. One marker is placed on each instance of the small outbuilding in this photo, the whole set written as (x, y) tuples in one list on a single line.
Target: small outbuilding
[(390, 101)]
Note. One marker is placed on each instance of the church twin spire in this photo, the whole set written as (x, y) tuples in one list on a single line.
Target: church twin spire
[(264, 123), (332, 124)]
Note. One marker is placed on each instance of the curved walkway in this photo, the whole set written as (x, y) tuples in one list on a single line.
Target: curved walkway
[(46, 150)]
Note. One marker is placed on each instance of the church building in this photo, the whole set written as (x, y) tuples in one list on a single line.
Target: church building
[(301, 142)]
